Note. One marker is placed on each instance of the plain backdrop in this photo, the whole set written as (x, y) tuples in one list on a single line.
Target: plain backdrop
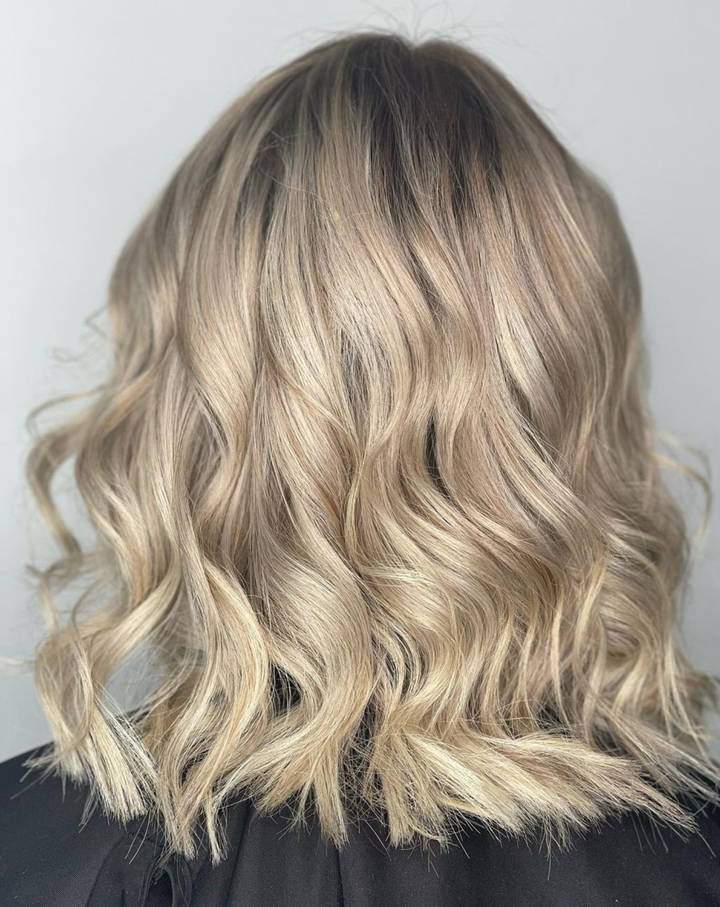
[(101, 99)]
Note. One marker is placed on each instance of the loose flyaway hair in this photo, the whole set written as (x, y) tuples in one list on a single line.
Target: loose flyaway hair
[(373, 481)]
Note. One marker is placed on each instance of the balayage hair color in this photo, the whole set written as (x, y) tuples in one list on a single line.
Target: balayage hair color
[(373, 478)]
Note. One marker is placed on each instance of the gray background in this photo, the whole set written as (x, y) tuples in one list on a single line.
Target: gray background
[(101, 100)]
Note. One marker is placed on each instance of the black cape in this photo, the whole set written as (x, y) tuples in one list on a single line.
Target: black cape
[(46, 858)]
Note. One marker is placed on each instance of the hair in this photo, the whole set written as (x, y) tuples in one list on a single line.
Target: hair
[(373, 480)]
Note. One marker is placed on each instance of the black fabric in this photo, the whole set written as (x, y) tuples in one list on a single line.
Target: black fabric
[(47, 858)]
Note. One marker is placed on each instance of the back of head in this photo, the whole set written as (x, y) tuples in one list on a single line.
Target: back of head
[(373, 476)]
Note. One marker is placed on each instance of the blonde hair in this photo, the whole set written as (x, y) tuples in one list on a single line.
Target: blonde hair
[(373, 478)]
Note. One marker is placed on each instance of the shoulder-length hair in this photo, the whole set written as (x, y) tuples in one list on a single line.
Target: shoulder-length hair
[(373, 479)]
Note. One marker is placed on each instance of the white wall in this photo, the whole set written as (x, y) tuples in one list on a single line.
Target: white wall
[(101, 99)]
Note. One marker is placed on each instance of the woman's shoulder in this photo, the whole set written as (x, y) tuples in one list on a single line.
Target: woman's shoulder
[(625, 860), (52, 853)]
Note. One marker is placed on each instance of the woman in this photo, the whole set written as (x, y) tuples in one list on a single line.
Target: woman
[(377, 504)]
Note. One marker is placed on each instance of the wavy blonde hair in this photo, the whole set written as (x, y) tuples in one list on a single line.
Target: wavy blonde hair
[(373, 478)]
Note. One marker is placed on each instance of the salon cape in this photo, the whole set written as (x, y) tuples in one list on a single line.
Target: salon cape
[(49, 857)]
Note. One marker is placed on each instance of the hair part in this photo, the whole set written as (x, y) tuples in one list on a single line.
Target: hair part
[(373, 478)]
